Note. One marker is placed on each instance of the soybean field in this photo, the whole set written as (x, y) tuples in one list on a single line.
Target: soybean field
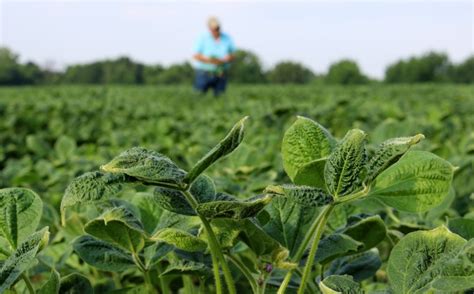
[(266, 189)]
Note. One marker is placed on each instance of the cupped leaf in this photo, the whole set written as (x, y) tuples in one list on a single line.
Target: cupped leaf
[(145, 165), (103, 255), (120, 227), (340, 284), (187, 267), (304, 142), (89, 188), (234, 209), (180, 239), (20, 214), (230, 142), (464, 227), (360, 266), (388, 153), (345, 166), (431, 261), (51, 286), (75, 284), (311, 174), (22, 258), (203, 190), (303, 195), (417, 182)]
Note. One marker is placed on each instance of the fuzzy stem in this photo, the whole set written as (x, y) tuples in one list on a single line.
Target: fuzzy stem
[(216, 253), (314, 247)]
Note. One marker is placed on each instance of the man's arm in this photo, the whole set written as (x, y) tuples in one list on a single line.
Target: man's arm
[(205, 59)]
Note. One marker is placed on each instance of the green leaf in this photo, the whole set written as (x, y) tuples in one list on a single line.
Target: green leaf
[(75, 284), (340, 284), (370, 230), (336, 245), (89, 188), (345, 165), (428, 261), (102, 255), (20, 214), (289, 222), (226, 230), (120, 227), (417, 182), (149, 209), (304, 142), (155, 252), (464, 227), (230, 142), (203, 190), (22, 258), (135, 290), (186, 267), (388, 153), (65, 147), (360, 266), (263, 245), (145, 165), (52, 284), (311, 174), (304, 195), (234, 209), (360, 234), (180, 239)]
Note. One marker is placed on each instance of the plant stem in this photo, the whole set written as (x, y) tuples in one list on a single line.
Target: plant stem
[(216, 253), (27, 281), (314, 247), (245, 271), (163, 284), (214, 246), (299, 253), (188, 284)]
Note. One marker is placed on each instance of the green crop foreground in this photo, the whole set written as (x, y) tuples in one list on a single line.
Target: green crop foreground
[(278, 203)]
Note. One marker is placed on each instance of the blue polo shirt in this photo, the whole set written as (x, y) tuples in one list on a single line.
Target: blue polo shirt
[(210, 47)]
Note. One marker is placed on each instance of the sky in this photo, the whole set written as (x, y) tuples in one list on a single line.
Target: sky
[(315, 33)]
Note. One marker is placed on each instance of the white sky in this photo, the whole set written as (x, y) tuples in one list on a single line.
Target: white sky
[(317, 33)]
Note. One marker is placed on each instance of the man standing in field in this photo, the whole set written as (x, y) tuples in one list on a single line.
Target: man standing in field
[(213, 52)]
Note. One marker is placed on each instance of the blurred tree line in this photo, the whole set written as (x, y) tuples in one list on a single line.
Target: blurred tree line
[(247, 69)]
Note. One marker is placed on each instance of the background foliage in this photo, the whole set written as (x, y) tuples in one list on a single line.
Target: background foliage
[(431, 67)]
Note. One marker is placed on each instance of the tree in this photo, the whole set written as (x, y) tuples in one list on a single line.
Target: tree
[(430, 67), (182, 73), (10, 70), (463, 72), (345, 72), (246, 69), (288, 72), (122, 71), (151, 73), (91, 73)]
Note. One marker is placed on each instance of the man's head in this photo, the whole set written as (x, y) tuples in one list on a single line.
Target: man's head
[(214, 26)]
